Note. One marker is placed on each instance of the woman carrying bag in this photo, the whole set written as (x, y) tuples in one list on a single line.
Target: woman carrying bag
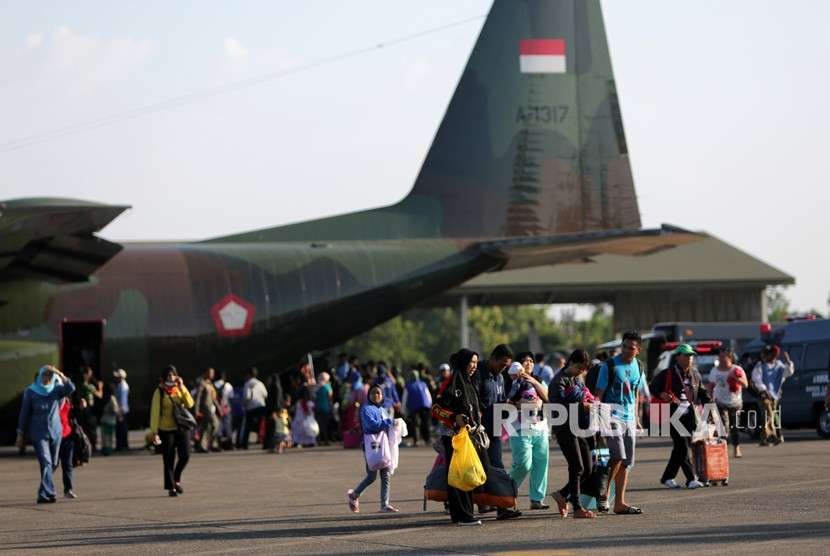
[(170, 398), (457, 406), (377, 426)]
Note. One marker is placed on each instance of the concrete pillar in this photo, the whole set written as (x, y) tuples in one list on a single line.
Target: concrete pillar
[(464, 335)]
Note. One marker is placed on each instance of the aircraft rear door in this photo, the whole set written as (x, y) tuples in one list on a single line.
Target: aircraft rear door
[(81, 344)]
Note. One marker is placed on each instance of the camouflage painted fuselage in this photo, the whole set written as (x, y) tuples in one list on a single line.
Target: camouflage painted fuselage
[(162, 302)]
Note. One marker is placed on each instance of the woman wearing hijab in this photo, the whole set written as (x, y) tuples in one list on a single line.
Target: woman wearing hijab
[(174, 442), (40, 418), (374, 419), (456, 407)]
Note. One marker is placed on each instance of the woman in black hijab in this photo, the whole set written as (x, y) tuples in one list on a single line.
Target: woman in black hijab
[(456, 406)]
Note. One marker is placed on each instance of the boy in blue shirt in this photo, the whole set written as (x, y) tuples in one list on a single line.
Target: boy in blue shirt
[(619, 388)]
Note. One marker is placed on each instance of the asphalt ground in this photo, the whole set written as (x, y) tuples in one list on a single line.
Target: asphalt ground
[(254, 502)]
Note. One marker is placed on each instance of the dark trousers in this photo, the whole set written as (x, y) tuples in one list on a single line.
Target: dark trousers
[(729, 417), (270, 428), (251, 423), (121, 434), (460, 502), (324, 422), (419, 423), (67, 451), (494, 452), (174, 445), (90, 425), (578, 456), (679, 458)]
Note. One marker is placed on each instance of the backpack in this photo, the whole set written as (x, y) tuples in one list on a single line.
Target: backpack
[(593, 376)]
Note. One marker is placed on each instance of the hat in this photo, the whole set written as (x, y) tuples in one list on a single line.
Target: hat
[(120, 373), (684, 349), (515, 369), (444, 367)]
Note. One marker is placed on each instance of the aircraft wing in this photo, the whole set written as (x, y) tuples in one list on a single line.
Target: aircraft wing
[(567, 248), (54, 239)]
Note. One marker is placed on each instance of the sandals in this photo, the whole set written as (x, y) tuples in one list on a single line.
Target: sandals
[(561, 503), (629, 510), (602, 505), (583, 514)]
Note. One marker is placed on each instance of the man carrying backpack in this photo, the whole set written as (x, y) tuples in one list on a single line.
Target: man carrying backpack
[(618, 384)]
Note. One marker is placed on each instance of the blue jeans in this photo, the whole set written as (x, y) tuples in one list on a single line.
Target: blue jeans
[(67, 452), (46, 450), (369, 479)]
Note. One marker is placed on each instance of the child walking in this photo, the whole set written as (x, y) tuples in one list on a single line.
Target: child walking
[(282, 428), (374, 420)]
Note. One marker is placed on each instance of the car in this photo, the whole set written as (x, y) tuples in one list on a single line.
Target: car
[(803, 396)]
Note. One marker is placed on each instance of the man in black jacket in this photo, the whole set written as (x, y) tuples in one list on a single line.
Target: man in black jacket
[(681, 387)]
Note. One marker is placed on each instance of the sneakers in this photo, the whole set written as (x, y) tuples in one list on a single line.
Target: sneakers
[(468, 523), (70, 494), (354, 505), (507, 514), (537, 505), (670, 483), (47, 500), (694, 484), (389, 509)]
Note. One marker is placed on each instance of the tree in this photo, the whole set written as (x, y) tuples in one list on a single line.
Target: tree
[(778, 305), (429, 336)]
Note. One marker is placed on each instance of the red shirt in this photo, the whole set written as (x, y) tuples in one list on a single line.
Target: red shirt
[(66, 407)]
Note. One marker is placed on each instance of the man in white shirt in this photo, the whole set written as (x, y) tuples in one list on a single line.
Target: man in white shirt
[(254, 397), (768, 378), (224, 392)]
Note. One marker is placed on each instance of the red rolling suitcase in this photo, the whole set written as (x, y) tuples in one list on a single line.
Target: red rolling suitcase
[(712, 461)]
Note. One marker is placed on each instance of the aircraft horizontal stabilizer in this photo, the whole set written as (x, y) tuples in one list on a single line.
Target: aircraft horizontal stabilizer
[(54, 238), (567, 248)]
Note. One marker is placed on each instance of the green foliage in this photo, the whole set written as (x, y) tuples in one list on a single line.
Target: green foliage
[(430, 335), (778, 305)]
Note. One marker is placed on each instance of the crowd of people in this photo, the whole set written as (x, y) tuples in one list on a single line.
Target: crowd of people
[(355, 400)]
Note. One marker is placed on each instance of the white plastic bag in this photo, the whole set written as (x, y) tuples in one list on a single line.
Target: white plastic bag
[(377, 450), (400, 424)]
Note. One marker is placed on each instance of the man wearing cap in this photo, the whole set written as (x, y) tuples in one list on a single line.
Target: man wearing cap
[(122, 396), (682, 388), (768, 378)]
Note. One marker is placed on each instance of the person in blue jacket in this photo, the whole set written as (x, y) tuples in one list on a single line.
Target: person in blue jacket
[(40, 419), (374, 419)]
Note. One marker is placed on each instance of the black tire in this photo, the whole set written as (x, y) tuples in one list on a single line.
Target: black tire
[(823, 424)]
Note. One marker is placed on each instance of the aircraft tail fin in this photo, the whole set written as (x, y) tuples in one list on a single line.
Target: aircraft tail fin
[(532, 142)]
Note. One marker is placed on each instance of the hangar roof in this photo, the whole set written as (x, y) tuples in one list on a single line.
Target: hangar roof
[(708, 263)]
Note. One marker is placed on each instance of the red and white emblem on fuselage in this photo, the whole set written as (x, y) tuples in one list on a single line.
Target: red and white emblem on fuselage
[(233, 316)]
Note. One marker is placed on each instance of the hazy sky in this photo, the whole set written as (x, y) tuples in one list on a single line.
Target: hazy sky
[(725, 106)]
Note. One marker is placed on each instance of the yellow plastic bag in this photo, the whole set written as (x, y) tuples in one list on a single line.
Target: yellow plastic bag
[(465, 471)]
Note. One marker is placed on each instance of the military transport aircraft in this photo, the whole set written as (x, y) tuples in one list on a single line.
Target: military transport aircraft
[(529, 166)]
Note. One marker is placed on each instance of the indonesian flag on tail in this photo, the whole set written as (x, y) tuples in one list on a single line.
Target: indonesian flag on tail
[(542, 56)]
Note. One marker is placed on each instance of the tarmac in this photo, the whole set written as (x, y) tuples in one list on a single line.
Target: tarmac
[(254, 502)]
